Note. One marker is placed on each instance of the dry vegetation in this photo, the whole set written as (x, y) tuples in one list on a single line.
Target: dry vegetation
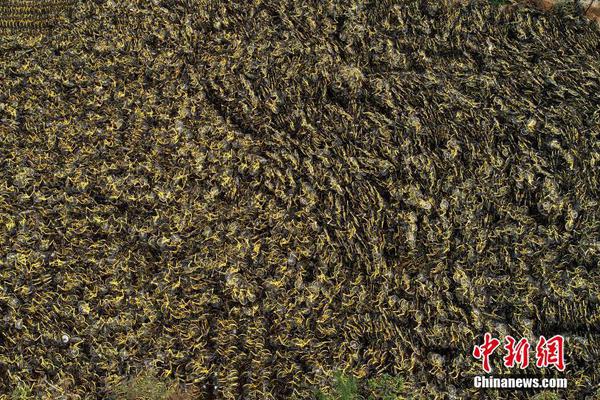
[(247, 196)]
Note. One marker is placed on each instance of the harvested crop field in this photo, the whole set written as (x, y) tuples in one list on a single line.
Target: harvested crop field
[(248, 196)]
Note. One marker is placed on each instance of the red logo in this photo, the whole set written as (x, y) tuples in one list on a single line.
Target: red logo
[(485, 350), (548, 352), (517, 354)]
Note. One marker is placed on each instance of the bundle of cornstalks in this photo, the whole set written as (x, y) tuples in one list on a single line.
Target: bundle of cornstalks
[(31, 14)]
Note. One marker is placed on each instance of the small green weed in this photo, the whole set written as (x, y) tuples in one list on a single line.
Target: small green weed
[(145, 386), (21, 393), (345, 388), (383, 387), (386, 387), (546, 396)]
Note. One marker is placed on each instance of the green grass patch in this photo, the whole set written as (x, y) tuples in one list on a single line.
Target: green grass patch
[(547, 396), (148, 386), (21, 392), (347, 387)]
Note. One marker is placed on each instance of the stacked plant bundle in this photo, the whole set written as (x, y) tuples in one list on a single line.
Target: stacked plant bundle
[(250, 196)]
